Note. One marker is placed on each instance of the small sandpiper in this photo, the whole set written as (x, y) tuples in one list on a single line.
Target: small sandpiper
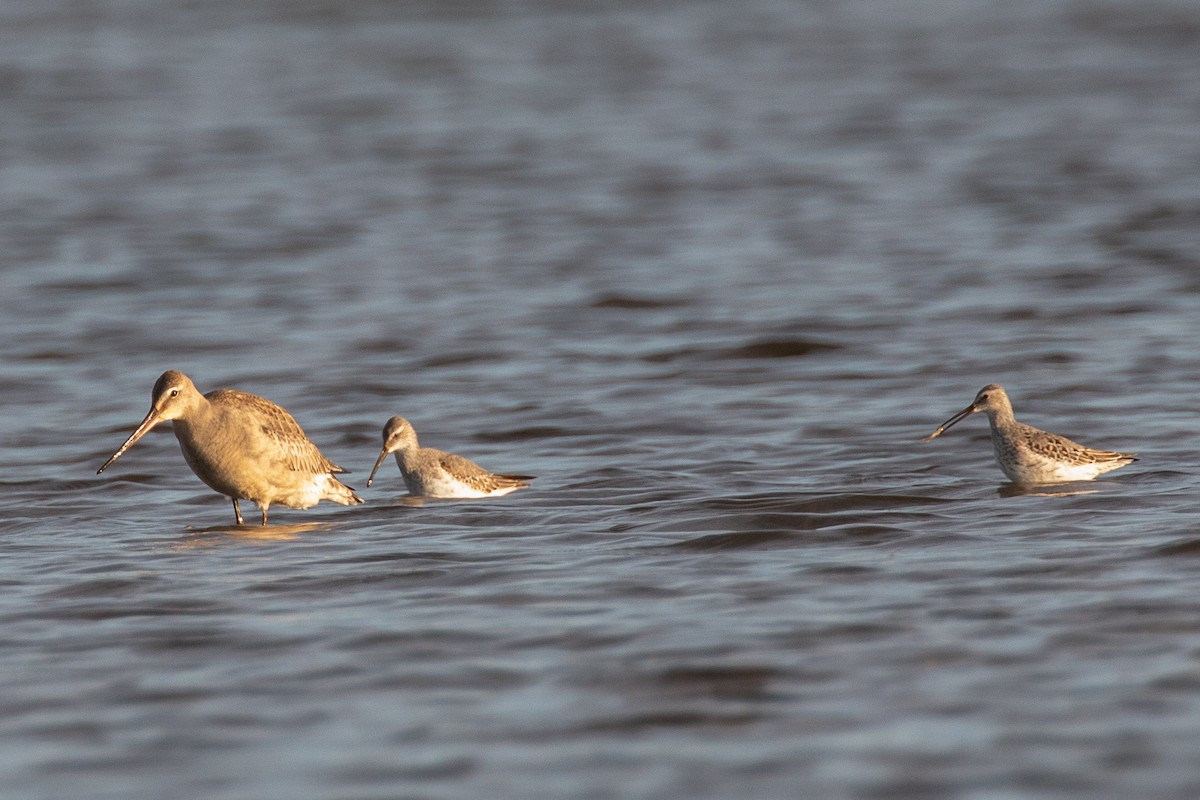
[(432, 473), (1030, 456), (243, 446)]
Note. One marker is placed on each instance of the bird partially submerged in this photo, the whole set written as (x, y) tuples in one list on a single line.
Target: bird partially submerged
[(1029, 456), (431, 473)]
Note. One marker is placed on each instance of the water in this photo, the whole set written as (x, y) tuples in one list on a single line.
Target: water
[(709, 270)]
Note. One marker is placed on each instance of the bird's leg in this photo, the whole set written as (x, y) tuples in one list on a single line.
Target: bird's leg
[(237, 512), (264, 513)]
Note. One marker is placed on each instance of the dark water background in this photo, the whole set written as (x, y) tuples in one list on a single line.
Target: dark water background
[(709, 270)]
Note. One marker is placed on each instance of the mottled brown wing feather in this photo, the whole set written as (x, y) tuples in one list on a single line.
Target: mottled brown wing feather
[(474, 475), (1060, 448), (287, 437)]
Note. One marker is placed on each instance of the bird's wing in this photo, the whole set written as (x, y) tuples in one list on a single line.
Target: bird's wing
[(286, 438), (474, 475), (1060, 448)]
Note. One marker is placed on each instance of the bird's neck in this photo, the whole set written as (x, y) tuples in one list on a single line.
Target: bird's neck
[(200, 416), (408, 456), (1001, 418)]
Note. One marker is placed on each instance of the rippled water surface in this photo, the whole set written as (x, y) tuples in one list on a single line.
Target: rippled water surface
[(710, 271)]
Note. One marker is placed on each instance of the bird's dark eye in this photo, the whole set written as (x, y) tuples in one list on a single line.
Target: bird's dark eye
[(174, 393), (983, 398)]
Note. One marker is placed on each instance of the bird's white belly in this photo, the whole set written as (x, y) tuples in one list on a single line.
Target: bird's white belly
[(301, 493), (440, 485), (1023, 467)]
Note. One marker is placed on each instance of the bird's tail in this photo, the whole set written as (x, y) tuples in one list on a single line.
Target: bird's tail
[(339, 492)]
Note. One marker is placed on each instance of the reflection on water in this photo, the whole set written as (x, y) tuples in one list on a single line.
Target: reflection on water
[(1045, 490), (407, 500), (709, 270), (211, 537)]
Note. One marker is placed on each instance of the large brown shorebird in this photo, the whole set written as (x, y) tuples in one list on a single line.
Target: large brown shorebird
[(243, 446), (432, 473), (1029, 456)]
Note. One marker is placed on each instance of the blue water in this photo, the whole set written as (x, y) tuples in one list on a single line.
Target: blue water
[(709, 271)]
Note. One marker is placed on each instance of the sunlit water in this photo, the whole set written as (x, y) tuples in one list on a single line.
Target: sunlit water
[(708, 270)]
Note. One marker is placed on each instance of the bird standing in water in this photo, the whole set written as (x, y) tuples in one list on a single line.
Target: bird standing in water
[(1029, 456), (243, 446), (432, 473)]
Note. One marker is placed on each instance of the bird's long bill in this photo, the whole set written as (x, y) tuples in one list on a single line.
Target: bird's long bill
[(152, 419), (959, 417), (384, 453)]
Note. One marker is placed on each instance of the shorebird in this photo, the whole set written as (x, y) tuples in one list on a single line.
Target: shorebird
[(1030, 456), (432, 473), (243, 446)]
